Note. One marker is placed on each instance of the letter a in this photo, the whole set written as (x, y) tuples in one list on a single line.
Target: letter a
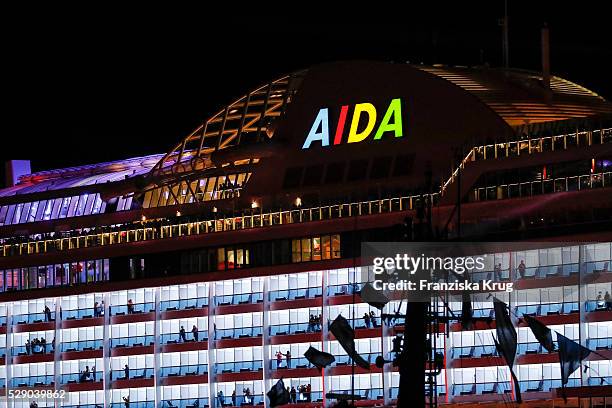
[(322, 122), (368, 108), (395, 110)]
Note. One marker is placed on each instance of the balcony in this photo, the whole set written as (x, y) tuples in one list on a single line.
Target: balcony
[(82, 345), (73, 378), (132, 341), (239, 299), (345, 360), (295, 328), (33, 381), (133, 404), (132, 374), (184, 370), (487, 350), (547, 309), (35, 349), (295, 294), (174, 338), (136, 308), (77, 314), (298, 362), (601, 343), (238, 333), (345, 289), (238, 367), (183, 304), (196, 402), (32, 318)]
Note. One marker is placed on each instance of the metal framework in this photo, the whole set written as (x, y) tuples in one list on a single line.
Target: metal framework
[(246, 120)]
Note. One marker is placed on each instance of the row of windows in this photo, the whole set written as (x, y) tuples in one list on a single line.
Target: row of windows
[(52, 209), (55, 275), (206, 189)]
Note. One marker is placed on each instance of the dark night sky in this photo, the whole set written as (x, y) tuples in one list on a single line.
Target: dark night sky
[(113, 85)]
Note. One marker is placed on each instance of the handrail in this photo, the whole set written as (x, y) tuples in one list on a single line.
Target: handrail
[(261, 220)]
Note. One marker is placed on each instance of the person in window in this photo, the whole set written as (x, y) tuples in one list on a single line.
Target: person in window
[(608, 300), (101, 311), (234, 398), (311, 323), (47, 313), (600, 301), (43, 344), (279, 358), (308, 392), (220, 398), (293, 395), (126, 401), (319, 322), (33, 404), (182, 334), (93, 373), (521, 268), (194, 330), (247, 396), (288, 357), (497, 272), (130, 306), (366, 318), (126, 371), (373, 318), (28, 347)]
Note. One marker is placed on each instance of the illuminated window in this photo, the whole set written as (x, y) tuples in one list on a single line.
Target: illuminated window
[(306, 249), (296, 253)]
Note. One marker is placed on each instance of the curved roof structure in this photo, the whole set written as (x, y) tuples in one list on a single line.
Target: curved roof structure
[(515, 96), (519, 96)]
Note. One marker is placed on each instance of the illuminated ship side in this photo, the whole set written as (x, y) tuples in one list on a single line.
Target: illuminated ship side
[(244, 231)]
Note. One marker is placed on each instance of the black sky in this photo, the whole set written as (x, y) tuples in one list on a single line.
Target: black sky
[(109, 85)]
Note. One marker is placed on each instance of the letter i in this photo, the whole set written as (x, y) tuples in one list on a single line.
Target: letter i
[(340, 128)]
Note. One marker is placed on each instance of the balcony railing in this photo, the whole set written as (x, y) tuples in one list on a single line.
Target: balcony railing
[(173, 338), (294, 328), (133, 373), (132, 341), (82, 345), (183, 304), (119, 310), (295, 294), (138, 232), (538, 187), (33, 381), (184, 370), (238, 366), (237, 333), (239, 299), (32, 318), (72, 378), (194, 402)]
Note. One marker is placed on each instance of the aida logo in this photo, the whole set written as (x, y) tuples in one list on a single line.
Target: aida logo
[(360, 129)]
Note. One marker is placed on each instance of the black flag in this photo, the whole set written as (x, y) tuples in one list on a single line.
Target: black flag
[(541, 332), (373, 297), (467, 313), (506, 339), (571, 355), (278, 394), (341, 329), (318, 358)]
